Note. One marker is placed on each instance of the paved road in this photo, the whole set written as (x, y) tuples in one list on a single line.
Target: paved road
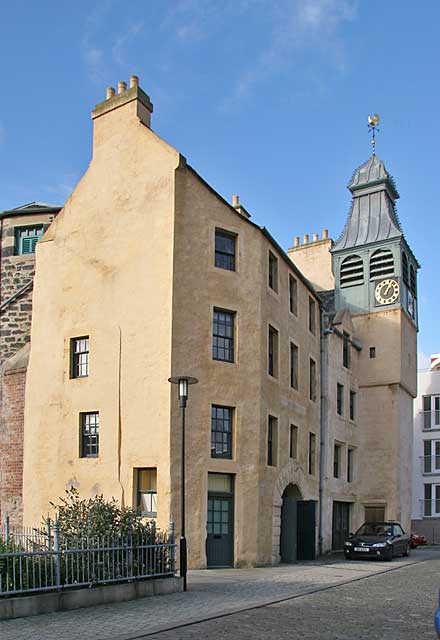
[(331, 599)]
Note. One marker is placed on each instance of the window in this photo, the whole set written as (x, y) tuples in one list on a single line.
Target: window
[(224, 250), (431, 412), (273, 352), (352, 405), (340, 399), (312, 316), (223, 336), (26, 238), (352, 271), (293, 445), (221, 431), (431, 503), (346, 350), (293, 295), (273, 272), (89, 435), (146, 494), (350, 456), (431, 456), (220, 516), (381, 264), (312, 453), (312, 380), (272, 425), (337, 461), (372, 352), (293, 366), (79, 357)]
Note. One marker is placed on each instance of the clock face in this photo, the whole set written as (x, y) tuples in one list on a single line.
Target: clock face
[(387, 291)]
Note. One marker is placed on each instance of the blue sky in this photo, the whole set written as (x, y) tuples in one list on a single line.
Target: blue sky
[(267, 99)]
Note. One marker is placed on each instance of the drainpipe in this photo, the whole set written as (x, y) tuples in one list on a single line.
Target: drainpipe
[(322, 450)]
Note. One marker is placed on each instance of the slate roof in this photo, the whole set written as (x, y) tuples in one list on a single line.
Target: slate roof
[(372, 216), (31, 207)]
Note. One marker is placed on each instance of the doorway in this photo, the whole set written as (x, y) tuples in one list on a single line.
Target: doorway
[(220, 521), (298, 522), (341, 524)]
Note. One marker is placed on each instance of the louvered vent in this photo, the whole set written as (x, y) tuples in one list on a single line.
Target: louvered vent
[(405, 273), (352, 271), (381, 264), (413, 284)]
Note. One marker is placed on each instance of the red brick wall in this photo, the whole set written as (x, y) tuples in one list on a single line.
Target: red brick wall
[(11, 445)]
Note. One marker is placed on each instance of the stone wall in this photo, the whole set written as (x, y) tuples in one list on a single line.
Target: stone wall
[(11, 444)]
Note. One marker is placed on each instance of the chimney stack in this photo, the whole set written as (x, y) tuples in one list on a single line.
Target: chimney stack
[(296, 241), (315, 237), (325, 234), (141, 106), (235, 201), (305, 238)]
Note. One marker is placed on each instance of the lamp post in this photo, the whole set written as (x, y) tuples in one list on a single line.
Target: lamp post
[(183, 382)]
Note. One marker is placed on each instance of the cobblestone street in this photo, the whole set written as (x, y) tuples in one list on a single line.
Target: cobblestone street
[(396, 600)]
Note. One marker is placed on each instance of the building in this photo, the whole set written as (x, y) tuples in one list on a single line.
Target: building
[(426, 466), (20, 230), (300, 427)]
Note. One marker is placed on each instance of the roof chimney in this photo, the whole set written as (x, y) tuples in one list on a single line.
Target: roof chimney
[(305, 238), (324, 234), (296, 241), (239, 208), (315, 237), (134, 101)]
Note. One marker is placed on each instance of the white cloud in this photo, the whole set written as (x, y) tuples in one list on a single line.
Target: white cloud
[(298, 27)]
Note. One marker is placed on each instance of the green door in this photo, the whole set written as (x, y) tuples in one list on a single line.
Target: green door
[(220, 529), (288, 539)]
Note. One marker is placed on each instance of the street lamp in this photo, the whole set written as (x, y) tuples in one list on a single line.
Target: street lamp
[(183, 382)]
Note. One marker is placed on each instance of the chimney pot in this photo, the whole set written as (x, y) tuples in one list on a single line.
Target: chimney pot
[(296, 241), (235, 201), (324, 234), (122, 86), (134, 81), (315, 237), (305, 238), (110, 92)]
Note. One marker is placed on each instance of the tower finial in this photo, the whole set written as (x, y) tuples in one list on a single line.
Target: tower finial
[(373, 121)]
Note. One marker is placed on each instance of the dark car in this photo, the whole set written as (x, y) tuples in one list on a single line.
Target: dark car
[(377, 540), (416, 539)]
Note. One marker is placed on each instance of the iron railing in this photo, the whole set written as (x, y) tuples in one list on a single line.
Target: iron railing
[(36, 561)]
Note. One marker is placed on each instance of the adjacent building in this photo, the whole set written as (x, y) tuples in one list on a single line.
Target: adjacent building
[(426, 475), (301, 425)]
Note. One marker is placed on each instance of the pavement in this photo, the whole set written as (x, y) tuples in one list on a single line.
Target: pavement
[(245, 603)]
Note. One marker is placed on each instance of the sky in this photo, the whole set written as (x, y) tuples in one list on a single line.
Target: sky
[(267, 99)]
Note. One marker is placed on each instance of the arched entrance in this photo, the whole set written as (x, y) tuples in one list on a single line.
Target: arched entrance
[(289, 524)]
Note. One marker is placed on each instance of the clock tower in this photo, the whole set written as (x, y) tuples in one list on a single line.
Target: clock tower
[(376, 280)]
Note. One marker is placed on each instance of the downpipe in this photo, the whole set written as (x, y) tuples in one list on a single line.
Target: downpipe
[(323, 432)]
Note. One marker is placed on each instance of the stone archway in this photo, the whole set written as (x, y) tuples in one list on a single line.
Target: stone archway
[(291, 474)]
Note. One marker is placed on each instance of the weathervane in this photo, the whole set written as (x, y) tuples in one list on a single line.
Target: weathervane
[(373, 121)]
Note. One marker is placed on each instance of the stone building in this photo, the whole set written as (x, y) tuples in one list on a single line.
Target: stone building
[(20, 230), (426, 466), (306, 359)]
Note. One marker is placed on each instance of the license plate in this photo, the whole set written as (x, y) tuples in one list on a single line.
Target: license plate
[(365, 549)]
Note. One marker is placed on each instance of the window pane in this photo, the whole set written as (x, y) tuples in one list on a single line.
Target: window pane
[(219, 482), (89, 435), (224, 250), (223, 336), (221, 432), (293, 295)]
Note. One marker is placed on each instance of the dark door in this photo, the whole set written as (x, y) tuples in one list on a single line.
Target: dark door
[(341, 524), (220, 527), (288, 540), (306, 531)]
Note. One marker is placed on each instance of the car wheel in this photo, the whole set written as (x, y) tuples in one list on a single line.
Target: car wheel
[(389, 554), (405, 554)]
